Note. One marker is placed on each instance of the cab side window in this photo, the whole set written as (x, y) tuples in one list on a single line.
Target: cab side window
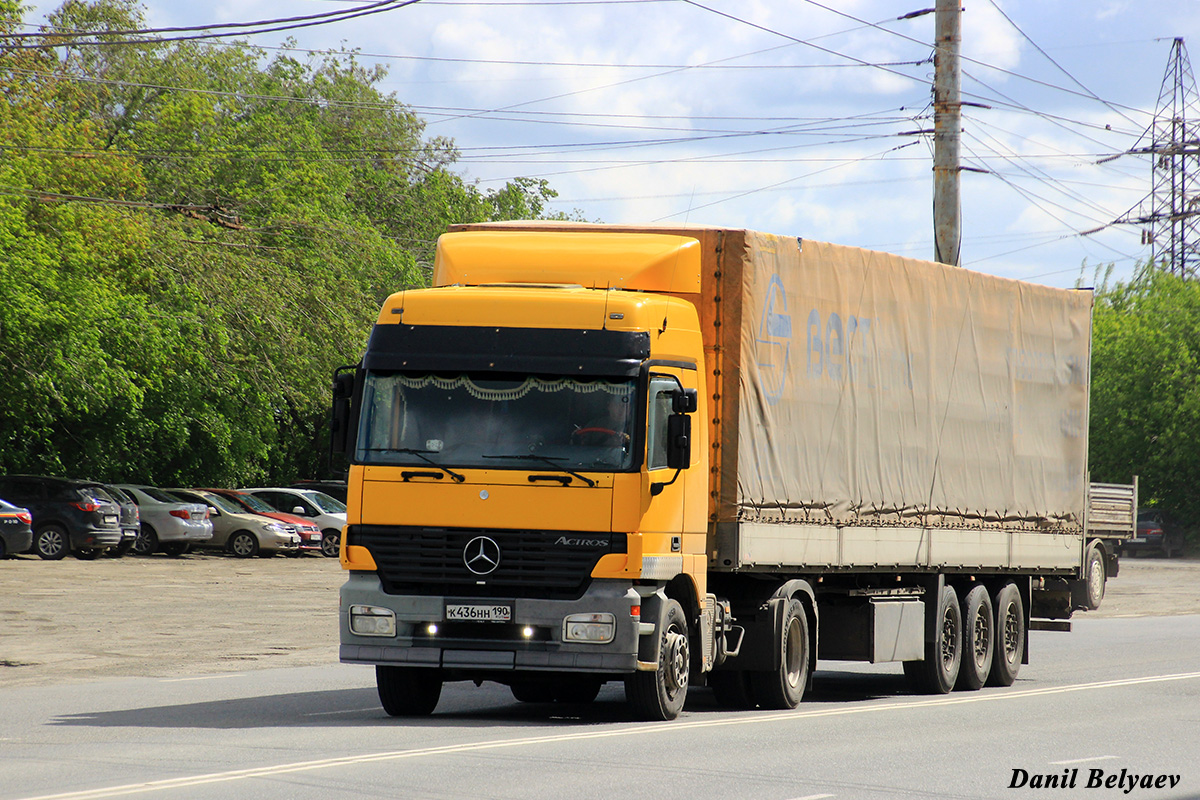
[(661, 392)]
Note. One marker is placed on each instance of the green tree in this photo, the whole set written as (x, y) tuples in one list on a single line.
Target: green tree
[(1145, 417), (194, 236)]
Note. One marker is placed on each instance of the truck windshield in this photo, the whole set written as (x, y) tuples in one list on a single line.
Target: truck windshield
[(496, 422)]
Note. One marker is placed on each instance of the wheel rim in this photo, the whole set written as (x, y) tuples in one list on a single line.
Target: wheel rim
[(1096, 581), (793, 654), (51, 542), (330, 544), (676, 661), (949, 640), (1012, 632), (980, 637), (243, 546)]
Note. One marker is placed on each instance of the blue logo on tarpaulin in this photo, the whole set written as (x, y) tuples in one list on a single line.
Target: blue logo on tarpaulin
[(774, 341)]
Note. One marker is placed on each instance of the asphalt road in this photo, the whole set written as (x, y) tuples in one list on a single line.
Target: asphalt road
[(1122, 692)]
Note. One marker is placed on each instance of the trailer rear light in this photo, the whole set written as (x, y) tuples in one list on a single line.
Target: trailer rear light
[(372, 621), (591, 628)]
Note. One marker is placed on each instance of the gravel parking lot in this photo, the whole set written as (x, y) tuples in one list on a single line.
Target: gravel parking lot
[(76, 620)]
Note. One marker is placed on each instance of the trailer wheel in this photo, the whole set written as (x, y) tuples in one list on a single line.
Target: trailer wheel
[(979, 640), (408, 691), (732, 688), (1097, 577), (660, 695), (1010, 636), (783, 686), (943, 656)]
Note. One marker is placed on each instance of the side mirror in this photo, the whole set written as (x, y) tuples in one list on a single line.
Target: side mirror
[(679, 439), (299, 511), (213, 511), (684, 401), (340, 421)]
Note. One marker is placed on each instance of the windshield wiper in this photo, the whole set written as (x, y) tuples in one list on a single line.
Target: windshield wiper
[(547, 460), (421, 455)]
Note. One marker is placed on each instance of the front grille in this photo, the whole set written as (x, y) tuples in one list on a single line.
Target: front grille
[(537, 564)]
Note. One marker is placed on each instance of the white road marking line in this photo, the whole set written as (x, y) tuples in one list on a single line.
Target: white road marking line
[(221, 677), (815, 797), (1082, 760), (633, 730)]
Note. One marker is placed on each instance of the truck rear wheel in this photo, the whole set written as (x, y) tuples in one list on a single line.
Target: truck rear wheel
[(783, 686), (408, 691), (1096, 576), (943, 656), (660, 695), (1010, 636), (979, 640)]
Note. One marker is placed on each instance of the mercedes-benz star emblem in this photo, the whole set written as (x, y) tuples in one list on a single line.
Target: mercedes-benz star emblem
[(482, 555)]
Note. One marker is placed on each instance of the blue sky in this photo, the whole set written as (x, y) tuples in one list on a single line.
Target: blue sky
[(789, 117)]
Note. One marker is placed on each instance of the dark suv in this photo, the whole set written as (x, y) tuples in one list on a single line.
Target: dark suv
[(68, 516)]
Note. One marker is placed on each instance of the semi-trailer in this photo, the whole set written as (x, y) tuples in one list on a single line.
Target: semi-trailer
[(675, 456)]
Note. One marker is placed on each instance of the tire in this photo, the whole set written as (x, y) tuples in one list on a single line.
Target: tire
[(51, 542), (146, 542), (938, 673), (175, 549), (1010, 636), (408, 691), (979, 639), (783, 686), (331, 541), (732, 689), (660, 695), (1096, 576), (243, 544)]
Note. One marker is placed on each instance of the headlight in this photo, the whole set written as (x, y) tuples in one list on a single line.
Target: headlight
[(372, 621), (275, 527), (594, 628)]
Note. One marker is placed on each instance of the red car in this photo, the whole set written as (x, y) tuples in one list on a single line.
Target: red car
[(310, 535)]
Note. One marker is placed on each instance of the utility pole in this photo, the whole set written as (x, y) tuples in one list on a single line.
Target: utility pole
[(947, 125)]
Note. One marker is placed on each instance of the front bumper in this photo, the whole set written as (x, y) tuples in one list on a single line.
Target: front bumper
[(483, 648)]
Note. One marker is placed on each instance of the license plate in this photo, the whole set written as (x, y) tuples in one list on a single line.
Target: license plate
[(110, 519), (479, 613)]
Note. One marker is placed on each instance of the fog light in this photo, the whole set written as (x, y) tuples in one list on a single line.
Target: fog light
[(372, 621), (593, 628), (431, 629)]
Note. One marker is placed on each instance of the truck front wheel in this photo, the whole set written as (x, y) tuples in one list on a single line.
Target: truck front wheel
[(783, 686), (660, 695), (408, 691)]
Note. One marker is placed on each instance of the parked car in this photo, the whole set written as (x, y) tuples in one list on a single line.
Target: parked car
[(16, 529), (129, 519), (310, 534), (239, 531), (1157, 532), (167, 524), (327, 512), (68, 516)]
